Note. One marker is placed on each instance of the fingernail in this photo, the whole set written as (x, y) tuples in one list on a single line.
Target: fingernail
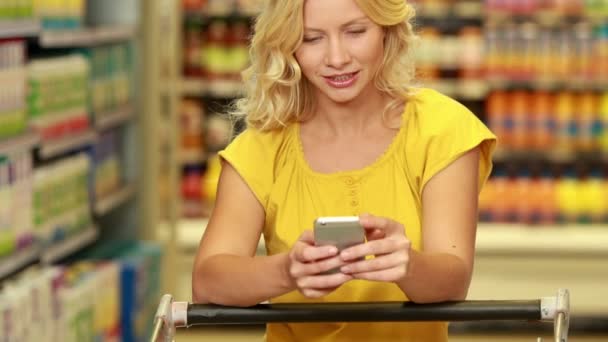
[(345, 269), (332, 250), (345, 255)]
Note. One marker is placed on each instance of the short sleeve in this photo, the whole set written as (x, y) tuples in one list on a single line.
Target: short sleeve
[(446, 131), (252, 154)]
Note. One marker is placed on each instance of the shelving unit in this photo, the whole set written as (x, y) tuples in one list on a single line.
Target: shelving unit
[(70, 245), (56, 147), (115, 117), (19, 28), (106, 204), (13, 263), (85, 37), (24, 141), (117, 210), (218, 89)]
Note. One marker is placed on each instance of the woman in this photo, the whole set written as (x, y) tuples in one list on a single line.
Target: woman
[(335, 128)]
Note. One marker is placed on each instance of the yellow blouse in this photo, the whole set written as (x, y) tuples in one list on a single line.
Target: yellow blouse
[(435, 131)]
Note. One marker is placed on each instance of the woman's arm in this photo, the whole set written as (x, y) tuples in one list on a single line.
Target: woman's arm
[(226, 270), (449, 214), (443, 270)]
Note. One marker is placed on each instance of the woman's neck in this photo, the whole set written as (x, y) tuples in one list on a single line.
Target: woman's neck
[(350, 118)]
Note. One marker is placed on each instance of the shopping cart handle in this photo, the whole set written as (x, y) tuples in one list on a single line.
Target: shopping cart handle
[(181, 314)]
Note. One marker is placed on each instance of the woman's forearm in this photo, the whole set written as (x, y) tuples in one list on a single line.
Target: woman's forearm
[(240, 281), (434, 277)]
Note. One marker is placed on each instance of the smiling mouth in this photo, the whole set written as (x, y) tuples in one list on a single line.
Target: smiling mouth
[(342, 77), (342, 81)]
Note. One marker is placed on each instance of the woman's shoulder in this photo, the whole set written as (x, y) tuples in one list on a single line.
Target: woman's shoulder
[(267, 145), (434, 111)]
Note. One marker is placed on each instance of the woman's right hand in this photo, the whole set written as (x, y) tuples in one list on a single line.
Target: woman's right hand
[(307, 263)]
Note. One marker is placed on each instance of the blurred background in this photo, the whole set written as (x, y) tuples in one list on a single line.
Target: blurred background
[(112, 112)]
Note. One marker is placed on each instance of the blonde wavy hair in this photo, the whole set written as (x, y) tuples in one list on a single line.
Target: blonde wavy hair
[(277, 93)]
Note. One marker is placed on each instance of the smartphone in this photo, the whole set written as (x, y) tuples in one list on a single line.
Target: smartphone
[(339, 231)]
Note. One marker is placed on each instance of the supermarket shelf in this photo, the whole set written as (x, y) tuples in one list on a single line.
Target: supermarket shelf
[(69, 246), (550, 156), (56, 147), (457, 10), (106, 204), (472, 90), (548, 85), (520, 239), (194, 87), (219, 88), (492, 239), (114, 118), (191, 157), (21, 142), (547, 19), (189, 233), (85, 37), (13, 263), (19, 28)]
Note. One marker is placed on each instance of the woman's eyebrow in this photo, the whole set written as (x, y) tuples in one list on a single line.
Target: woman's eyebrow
[(350, 22)]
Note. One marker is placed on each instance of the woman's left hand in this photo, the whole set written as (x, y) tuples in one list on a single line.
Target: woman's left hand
[(387, 242)]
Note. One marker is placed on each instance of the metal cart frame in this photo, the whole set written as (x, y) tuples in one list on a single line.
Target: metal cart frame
[(171, 315)]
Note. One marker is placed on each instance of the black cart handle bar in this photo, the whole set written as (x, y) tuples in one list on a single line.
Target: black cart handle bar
[(171, 315)]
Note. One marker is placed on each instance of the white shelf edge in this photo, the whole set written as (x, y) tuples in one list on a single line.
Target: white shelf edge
[(115, 117), (24, 141), (225, 88), (55, 147), (192, 86), (85, 36), (521, 239), (191, 157), (189, 233), (216, 88), (509, 239), (106, 204), (19, 28), (69, 246), (15, 262)]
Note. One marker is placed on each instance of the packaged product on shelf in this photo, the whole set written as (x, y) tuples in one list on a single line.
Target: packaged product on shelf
[(16, 9), (8, 241), (13, 118), (61, 198), (541, 122), (192, 200), (57, 99), (111, 71), (192, 116), (238, 49), (603, 117), (22, 205), (60, 15), (194, 57), (107, 165), (16, 227), (139, 266), (216, 50), (26, 299)]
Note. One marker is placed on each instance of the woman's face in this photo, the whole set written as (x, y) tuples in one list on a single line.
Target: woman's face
[(342, 49)]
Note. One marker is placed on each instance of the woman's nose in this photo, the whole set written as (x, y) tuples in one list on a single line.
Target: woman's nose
[(337, 55)]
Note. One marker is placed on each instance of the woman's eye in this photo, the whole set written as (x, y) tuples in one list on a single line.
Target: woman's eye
[(311, 39), (357, 32)]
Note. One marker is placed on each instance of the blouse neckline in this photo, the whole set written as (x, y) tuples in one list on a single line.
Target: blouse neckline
[(386, 154)]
